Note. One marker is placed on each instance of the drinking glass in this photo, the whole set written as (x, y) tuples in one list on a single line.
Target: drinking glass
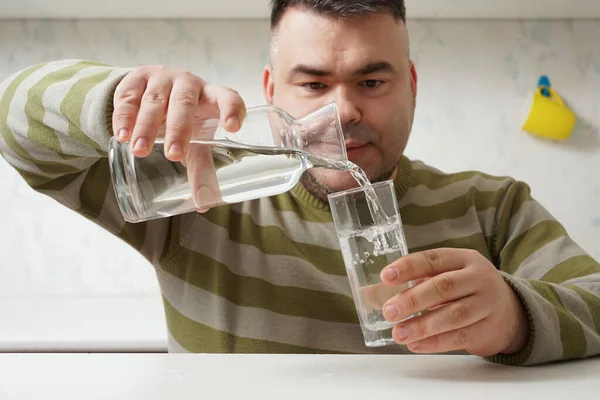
[(369, 242)]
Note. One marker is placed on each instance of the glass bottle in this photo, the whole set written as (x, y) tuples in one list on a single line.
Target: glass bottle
[(266, 157)]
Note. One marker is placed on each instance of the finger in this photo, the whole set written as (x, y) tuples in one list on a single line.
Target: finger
[(425, 264), (183, 103), (151, 115), (456, 315), (375, 296), (231, 107), (126, 101), (467, 338), (438, 290), (202, 176)]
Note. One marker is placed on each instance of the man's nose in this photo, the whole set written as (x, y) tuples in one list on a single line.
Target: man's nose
[(348, 106)]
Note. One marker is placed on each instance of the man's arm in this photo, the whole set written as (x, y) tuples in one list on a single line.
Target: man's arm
[(534, 300), (557, 282), (55, 124)]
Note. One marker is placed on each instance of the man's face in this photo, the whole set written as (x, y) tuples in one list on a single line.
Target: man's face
[(362, 64)]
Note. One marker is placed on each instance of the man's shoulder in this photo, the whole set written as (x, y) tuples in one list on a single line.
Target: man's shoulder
[(425, 174)]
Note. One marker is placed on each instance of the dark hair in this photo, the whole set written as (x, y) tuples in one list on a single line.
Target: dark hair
[(341, 8)]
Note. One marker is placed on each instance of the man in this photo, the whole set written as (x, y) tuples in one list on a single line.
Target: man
[(500, 277)]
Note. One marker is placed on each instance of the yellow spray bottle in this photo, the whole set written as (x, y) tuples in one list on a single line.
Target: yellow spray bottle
[(548, 116)]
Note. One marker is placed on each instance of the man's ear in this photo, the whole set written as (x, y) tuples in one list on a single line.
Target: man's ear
[(268, 84), (413, 78)]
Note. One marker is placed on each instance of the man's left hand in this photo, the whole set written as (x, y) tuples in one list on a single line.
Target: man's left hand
[(470, 305)]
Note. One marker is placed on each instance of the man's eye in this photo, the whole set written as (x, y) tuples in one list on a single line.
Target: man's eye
[(314, 86), (371, 83)]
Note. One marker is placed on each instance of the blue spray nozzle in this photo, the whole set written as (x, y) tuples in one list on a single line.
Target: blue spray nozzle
[(545, 82)]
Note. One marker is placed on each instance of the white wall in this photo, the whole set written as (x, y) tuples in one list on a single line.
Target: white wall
[(474, 79), (421, 9)]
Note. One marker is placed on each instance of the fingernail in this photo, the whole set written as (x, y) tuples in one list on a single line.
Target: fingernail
[(205, 198), (175, 149), (390, 273), (390, 312), (141, 144), (403, 332), (413, 346), (123, 132), (233, 122)]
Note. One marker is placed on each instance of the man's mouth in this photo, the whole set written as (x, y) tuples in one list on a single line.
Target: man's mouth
[(355, 149)]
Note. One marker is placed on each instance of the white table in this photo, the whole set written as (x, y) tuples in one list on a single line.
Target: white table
[(314, 377)]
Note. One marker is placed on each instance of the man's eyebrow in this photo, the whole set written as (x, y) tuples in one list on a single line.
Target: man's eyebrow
[(380, 66), (303, 69)]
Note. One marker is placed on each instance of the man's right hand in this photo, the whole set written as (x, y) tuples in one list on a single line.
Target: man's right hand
[(149, 96)]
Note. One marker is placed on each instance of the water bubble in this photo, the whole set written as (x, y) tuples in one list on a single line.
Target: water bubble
[(372, 262), (362, 261), (376, 249), (367, 254)]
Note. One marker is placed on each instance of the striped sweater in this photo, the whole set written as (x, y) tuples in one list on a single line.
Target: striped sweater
[(267, 275)]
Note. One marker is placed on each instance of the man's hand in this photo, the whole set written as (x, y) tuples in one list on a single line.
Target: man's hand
[(470, 305), (150, 95)]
